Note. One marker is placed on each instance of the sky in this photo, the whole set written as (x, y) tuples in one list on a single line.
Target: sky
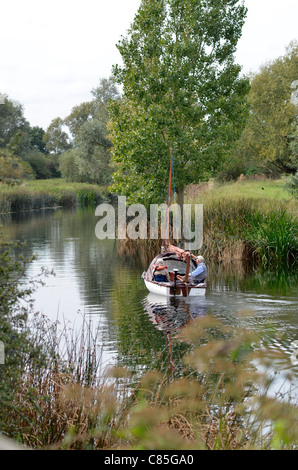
[(53, 52)]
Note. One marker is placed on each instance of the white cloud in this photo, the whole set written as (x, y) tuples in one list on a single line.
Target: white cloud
[(270, 26), (54, 52)]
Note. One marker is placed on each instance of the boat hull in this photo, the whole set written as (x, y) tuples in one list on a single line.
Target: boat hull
[(167, 289)]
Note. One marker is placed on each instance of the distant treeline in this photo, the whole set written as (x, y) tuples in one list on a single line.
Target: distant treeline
[(76, 148), (79, 147)]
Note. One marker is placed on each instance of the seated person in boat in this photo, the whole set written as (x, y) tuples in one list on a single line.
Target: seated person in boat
[(198, 276), (160, 272)]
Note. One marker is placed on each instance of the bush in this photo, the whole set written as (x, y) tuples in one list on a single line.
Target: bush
[(44, 166), (13, 169)]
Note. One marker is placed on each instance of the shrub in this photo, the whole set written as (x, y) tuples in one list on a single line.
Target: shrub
[(291, 184)]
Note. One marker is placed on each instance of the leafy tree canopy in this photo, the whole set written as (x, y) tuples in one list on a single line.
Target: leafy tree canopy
[(12, 120), (89, 159), (270, 137), (14, 128), (181, 91), (36, 136), (56, 138)]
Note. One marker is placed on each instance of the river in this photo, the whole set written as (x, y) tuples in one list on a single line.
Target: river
[(100, 281)]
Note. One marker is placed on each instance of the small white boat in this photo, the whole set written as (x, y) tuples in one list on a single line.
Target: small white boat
[(179, 263), (168, 290)]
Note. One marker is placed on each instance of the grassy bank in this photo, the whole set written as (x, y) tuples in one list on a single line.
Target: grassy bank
[(248, 220), (262, 189), (38, 194)]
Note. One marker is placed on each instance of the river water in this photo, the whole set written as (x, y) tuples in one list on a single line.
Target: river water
[(100, 280)]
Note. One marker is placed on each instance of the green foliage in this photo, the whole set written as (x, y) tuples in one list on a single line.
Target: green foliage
[(13, 124), (181, 91), (13, 169), (92, 152), (78, 116), (68, 166), (89, 159), (291, 184), (44, 166), (55, 138), (37, 142), (88, 197), (294, 145), (23, 146), (269, 141)]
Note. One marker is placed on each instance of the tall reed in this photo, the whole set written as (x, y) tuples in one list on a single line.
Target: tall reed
[(273, 236), (68, 402), (243, 229)]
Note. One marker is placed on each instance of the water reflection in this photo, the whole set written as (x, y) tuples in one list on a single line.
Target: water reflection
[(171, 314)]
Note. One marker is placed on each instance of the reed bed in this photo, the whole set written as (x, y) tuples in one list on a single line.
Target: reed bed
[(67, 400), (236, 230), (249, 220), (238, 225), (242, 230), (33, 195)]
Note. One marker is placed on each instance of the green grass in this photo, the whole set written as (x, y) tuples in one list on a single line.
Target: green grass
[(38, 194), (265, 190)]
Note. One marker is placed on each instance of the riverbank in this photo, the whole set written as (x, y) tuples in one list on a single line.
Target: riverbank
[(40, 194), (248, 220)]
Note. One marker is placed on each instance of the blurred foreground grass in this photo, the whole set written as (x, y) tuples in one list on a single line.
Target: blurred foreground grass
[(221, 402)]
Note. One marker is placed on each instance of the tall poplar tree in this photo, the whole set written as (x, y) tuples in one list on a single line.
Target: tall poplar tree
[(182, 91)]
